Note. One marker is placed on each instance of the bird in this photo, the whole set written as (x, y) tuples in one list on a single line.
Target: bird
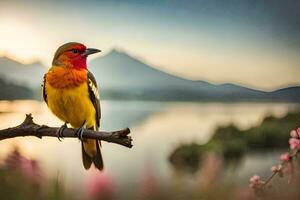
[(71, 93)]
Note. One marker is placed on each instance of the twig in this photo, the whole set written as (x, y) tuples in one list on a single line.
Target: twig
[(29, 128), (270, 178), (292, 155)]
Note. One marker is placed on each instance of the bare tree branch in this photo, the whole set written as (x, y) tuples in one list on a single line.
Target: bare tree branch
[(29, 128)]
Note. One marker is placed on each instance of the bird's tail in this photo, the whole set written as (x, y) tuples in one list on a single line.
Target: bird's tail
[(91, 153)]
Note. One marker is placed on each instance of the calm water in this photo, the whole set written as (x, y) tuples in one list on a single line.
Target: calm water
[(157, 128)]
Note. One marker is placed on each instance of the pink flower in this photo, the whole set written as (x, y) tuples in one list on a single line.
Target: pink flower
[(148, 186), (298, 131), (100, 186), (255, 178), (255, 181), (294, 143), (285, 157), (276, 169), (210, 171), (29, 168), (32, 171), (294, 133), (13, 160)]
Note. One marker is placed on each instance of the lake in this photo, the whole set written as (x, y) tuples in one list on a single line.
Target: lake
[(157, 129)]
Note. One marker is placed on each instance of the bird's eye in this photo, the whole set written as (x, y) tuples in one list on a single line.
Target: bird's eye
[(75, 51)]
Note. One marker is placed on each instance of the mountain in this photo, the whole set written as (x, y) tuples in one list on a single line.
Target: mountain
[(287, 94), (122, 76), (19, 91), (29, 75)]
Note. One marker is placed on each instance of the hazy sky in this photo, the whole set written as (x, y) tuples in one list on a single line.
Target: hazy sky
[(250, 42)]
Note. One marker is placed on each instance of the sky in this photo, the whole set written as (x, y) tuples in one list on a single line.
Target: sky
[(255, 43)]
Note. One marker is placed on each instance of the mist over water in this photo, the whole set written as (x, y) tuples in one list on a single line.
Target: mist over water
[(157, 129)]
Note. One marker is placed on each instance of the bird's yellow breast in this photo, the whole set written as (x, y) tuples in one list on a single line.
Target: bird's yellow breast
[(72, 105)]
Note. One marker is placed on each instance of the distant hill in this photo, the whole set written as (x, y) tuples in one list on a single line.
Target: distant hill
[(11, 91), (287, 94), (29, 75), (120, 76)]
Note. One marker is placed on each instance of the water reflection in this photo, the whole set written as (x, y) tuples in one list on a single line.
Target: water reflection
[(157, 128)]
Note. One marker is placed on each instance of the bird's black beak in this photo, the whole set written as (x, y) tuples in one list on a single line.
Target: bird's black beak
[(90, 51)]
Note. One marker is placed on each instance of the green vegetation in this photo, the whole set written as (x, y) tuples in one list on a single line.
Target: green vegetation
[(231, 143)]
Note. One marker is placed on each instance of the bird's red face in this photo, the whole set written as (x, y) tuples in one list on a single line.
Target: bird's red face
[(73, 55)]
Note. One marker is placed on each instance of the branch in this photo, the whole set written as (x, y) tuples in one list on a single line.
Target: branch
[(29, 128)]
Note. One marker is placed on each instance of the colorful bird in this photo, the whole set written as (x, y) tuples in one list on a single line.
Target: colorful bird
[(71, 93)]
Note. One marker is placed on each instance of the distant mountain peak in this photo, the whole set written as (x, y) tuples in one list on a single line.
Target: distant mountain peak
[(23, 74), (36, 63), (5, 58), (120, 57), (117, 51)]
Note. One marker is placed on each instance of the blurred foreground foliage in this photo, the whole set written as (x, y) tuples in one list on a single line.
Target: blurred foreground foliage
[(22, 178), (231, 143)]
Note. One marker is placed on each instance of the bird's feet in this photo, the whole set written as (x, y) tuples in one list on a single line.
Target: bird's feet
[(80, 131), (60, 131)]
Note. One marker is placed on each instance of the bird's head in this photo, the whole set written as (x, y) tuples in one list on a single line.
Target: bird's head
[(72, 55)]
